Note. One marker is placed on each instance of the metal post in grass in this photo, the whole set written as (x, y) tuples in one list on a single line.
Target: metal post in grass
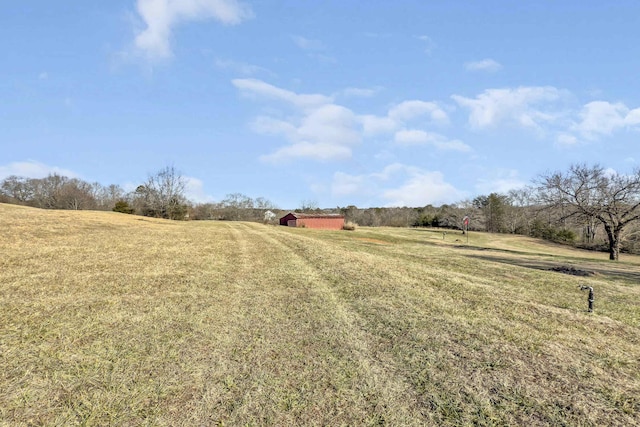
[(465, 229), (590, 297)]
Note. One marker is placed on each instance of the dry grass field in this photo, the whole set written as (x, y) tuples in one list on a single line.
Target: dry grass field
[(111, 319)]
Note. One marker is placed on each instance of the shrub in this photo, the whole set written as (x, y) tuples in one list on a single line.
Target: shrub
[(123, 207), (350, 226), (548, 232)]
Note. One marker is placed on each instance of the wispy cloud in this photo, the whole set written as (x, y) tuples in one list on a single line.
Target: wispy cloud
[(500, 181), (550, 112), (398, 185), (240, 67), (489, 65), (315, 49), (326, 133), (414, 112), (307, 44), (419, 137), (355, 92), (160, 17), (255, 87), (321, 151), (566, 140), (428, 44), (320, 129), (528, 107), (409, 110)]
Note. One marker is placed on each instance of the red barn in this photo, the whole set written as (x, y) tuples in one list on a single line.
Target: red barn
[(319, 221)]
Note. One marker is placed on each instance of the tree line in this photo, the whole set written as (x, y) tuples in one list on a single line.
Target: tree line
[(587, 206), (59, 192), (162, 195)]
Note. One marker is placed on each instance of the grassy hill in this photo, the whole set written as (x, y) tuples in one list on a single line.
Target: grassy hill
[(114, 319)]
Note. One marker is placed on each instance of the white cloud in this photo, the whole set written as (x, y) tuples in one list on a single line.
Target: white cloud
[(485, 65), (307, 44), (398, 185), (420, 137), (320, 151), (601, 118), (269, 125), (429, 44), (253, 87), (348, 185), (161, 16), (411, 137), (319, 129), (408, 110), (326, 133), (43, 75), (566, 139), (401, 114), (33, 169), (376, 125), (423, 188), (194, 190), (500, 181), (240, 67), (322, 130), (529, 107), (633, 117), (315, 49), (330, 124)]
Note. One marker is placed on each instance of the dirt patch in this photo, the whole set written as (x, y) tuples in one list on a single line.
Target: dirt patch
[(573, 271)]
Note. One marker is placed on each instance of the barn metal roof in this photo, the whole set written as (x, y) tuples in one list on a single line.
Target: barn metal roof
[(300, 215)]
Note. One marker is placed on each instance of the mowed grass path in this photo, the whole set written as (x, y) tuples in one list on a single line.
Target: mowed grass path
[(110, 319)]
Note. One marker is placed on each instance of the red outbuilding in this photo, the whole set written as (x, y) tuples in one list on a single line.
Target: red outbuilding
[(319, 221)]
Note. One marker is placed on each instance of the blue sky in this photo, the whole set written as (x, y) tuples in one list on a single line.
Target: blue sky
[(375, 103)]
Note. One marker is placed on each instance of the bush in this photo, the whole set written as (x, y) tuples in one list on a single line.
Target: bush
[(350, 226), (425, 221), (123, 207), (547, 232)]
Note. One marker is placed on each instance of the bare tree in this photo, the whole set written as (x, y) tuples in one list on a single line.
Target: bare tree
[(519, 213), (76, 194), (108, 196), (236, 207), (163, 194), (47, 191), (17, 188), (591, 192)]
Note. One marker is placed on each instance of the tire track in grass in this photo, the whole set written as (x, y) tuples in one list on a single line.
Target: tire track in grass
[(233, 389), (266, 376), (468, 342), (385, 394)]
